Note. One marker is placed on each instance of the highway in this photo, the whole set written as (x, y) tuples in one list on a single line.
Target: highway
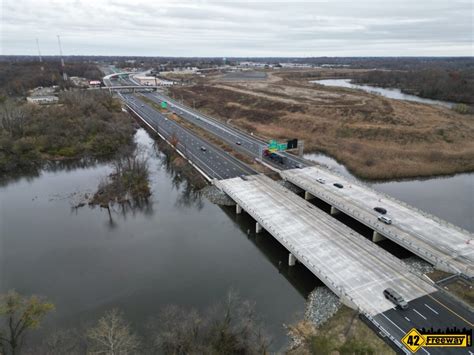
[(435, 310), (214, 162), (356, 269), (249, 145)]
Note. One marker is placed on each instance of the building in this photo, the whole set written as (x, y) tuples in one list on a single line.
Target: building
[(152, 81), (42, 99)]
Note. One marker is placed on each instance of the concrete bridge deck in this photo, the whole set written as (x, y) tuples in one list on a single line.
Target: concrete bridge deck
[(444, 245), (353, 267)]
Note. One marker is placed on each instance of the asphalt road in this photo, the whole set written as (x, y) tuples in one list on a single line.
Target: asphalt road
[(249, 144), (212, 160), (437, 311)]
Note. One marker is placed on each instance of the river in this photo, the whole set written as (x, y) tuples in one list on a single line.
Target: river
[(180, 249), (391, 93)]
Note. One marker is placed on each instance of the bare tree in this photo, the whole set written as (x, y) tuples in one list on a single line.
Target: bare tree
[(19, 314), (112, 336), (230, 327), (13, 118)]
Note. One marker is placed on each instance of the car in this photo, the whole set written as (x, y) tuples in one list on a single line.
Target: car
[(238, 143), (338, 185), (203, 148), (321, 180), (299, 166), (384, 219), (380, 210), (142, 105), (394, 297)]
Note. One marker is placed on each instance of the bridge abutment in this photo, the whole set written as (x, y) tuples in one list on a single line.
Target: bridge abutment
[(238, 209), (308, 195), (258, 227)]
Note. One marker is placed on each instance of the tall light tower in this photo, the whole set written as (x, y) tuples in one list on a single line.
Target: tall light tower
[(62, 59)]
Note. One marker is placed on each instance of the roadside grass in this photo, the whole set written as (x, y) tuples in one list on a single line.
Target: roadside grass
[(344, 333)]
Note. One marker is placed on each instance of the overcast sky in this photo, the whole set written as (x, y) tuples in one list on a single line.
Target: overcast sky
[(245, 28)]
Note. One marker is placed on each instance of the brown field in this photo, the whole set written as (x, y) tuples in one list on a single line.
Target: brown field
[(375, 137)]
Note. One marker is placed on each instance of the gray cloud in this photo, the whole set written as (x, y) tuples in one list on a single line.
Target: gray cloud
[(244, 28)]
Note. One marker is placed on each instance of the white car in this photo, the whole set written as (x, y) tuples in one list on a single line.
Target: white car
[(321, 180), (384, 219)]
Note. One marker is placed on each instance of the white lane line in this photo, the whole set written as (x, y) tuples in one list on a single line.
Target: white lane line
[(403, 332), (421, 315), (407, 319), (431, 308)]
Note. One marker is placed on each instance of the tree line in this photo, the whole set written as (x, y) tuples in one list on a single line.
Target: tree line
[(228, 327), (434, 83)]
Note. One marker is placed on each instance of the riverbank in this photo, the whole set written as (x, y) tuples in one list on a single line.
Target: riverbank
[(132, 259), (83, 125), (375, 137)]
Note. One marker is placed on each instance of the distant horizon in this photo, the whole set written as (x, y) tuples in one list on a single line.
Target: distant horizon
[(241, 28), (233, 57)]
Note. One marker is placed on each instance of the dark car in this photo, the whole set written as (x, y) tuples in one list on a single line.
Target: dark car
[(380, 210), (338, 185), (394, 297)]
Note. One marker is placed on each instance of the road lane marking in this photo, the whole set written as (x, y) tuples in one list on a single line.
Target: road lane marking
[(449, 309), (403, 332), (421, 315), (407, 319), (431, 308)]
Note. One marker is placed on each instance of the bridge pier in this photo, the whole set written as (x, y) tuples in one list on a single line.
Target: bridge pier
[(334, 211), (258, 228), (291, 260), (238, 209), (377, 237), (308, 196)]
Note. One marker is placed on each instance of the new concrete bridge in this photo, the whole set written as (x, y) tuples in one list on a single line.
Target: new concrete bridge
[(447, 247)]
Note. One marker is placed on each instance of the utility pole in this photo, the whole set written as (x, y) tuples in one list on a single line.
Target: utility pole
[(62, 59), (39, 54)]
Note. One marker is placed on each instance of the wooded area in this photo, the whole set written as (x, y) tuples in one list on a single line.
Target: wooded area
[(84, 124)]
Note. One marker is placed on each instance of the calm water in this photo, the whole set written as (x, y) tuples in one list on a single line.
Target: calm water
[(450, 198), (391, 93), (181, 249)]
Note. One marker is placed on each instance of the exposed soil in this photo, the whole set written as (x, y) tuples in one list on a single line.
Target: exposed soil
[(375, 137)]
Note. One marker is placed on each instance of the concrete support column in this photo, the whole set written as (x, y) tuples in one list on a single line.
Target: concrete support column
[(238, 209), (291, 260), (300, 148), (377, 237), (258, 227), (334, 210), (308, 196)]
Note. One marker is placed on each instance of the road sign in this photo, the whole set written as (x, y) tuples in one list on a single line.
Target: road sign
[(413, 340)]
